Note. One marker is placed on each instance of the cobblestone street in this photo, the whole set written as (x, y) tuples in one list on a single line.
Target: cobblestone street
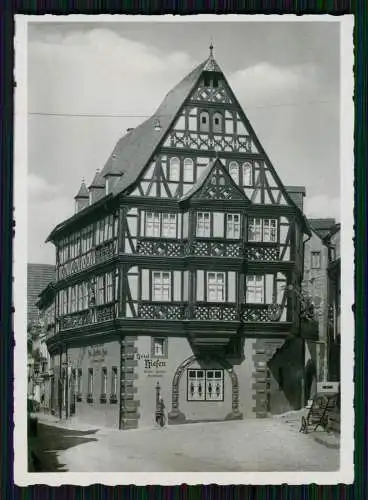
[(252, 445)]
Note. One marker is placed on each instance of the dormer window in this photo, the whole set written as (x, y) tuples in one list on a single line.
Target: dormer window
[(217, 123), (204, 121)]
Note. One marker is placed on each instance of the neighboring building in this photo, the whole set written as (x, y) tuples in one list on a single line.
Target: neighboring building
[(179, 275), (46, 320), (315, 290), (38, 277), (332, 240)]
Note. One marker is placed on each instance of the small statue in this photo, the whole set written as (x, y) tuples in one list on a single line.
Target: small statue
[(160, 413)]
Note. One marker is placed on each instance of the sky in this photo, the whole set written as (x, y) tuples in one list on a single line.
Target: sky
[(285, 75)]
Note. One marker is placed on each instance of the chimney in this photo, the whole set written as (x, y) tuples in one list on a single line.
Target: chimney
[(81, 198), (97, 188), (297, 194)]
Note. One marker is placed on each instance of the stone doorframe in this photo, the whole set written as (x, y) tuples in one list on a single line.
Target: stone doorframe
[(176, 416)]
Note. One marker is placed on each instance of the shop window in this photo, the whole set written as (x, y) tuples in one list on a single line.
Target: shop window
[(205, 385)]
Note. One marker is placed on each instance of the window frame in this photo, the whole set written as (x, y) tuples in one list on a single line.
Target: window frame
[(261, 229), (263, 281), (232, 224), (165, 343), (104, 381), (156, 221), (203, 113), (234, 164), (217, 286), (250, 168), (198, 216), (316, 254), (170, 176), (167, 286)]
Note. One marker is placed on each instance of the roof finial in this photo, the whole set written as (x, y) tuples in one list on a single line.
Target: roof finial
[(211, 49), (83, 180)]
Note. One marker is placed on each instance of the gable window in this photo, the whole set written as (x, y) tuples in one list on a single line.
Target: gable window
[(215, 287), (262, 230), (159, 347), (161, 225), (234, 171), (233, 226), (203, 228), (217, 123), (255, 289), (174, 172), (247, 174), (204, 121), (316, 260), (205, 385), (161, 286), (188, 170)]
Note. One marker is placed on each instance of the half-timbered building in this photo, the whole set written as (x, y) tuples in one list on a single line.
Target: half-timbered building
[(179, 274)]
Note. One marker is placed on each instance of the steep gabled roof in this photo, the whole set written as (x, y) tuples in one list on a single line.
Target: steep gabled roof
[(133, 151), (322, 227), (38, 277), (83, 191), (213, 164), (98, 180)]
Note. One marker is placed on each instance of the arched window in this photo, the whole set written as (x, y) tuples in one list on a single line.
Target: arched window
[(188, 170), (234, 171), (247, 174), (217, 122), (204, 121), (174, 173)]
